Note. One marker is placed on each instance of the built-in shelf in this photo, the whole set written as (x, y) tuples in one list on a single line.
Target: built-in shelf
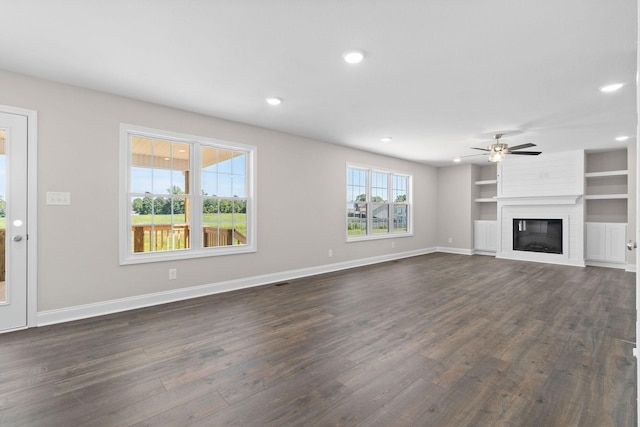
[(606, 173), (487, 182), (605, 196), (485, 190), (606, 187)]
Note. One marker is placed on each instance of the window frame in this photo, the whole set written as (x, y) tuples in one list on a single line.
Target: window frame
[(391, 233), (195, 220)]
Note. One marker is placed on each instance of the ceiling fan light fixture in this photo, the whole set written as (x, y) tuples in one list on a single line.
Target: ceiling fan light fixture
[(496, 156)]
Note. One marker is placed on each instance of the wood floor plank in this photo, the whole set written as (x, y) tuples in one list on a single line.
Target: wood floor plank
[(436, 340)]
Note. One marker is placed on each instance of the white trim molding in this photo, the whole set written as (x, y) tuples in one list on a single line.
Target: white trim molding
[(457, 251)]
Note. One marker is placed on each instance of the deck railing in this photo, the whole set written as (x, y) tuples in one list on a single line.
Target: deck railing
[(176, 236)]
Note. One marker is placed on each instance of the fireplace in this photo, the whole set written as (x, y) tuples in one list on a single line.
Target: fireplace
[(537, 235)]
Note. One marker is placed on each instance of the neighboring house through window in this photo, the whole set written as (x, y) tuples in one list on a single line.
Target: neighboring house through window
[(184, 196), (378, 203)]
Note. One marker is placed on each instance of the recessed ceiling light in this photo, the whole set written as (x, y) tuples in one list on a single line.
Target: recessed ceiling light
[(354, 56), (622, 138), (611, 88), (385, 139), (274, 101), (457, 160)]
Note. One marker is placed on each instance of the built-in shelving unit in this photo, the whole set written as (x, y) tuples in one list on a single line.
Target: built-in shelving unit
[(485, 219), (606, 191), (488, 183), (606, 194)]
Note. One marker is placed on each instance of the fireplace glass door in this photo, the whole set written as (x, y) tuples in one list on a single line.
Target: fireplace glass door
[(537, 235)]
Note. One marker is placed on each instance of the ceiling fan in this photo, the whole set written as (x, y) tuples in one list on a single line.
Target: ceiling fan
[(498, 150)]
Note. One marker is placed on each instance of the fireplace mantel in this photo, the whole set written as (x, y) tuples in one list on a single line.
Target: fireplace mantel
[(569, 199)]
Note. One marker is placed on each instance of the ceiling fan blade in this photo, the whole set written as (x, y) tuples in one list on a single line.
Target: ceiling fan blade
[(527, 153), (519, 147), (483, 149)]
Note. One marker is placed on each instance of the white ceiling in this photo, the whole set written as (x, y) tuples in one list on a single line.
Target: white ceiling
[(440, 76)]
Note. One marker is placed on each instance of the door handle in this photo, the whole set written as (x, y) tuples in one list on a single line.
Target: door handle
[(17, 238), (632, 245)]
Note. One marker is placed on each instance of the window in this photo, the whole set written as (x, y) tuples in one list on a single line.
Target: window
[(184, 196), (378, 203)]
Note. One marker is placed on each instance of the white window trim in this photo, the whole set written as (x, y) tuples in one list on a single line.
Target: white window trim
[(196, 251), (388, 235)]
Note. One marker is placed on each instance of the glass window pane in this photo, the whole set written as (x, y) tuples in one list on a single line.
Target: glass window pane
[(238, 189), (356, 185), (357, 219), (238, 164), (225, 185), (224, 161), (180, 224), (141, 152), (380, 218), (210, 220), (141, 179), (180, 156), (379, 187), (209, 159), (239, 222), (400, 219), (161, 181), (400, 185), (178, 181), (209, 184)]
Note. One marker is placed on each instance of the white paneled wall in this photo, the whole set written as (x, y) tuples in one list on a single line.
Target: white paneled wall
[(558, 174)]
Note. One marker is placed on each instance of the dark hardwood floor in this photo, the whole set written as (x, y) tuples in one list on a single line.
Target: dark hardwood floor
[(435, 340)]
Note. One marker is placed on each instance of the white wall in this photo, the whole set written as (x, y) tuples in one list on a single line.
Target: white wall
[(455, 211), (78, 152)]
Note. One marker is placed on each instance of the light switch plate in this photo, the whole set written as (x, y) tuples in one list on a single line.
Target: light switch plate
[(58, 198)]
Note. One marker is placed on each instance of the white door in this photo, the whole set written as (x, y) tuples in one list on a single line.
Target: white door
[(13, 221)]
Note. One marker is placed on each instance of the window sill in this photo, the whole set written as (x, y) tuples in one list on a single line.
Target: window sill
[(148, 257), (377, 237)]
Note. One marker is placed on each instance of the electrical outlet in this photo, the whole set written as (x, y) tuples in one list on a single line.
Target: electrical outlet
[(330, 253), (450, 239), (393, 245), (173, 274)]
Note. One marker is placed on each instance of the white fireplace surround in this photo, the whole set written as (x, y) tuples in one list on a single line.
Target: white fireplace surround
[(567, 208), (548, 186)]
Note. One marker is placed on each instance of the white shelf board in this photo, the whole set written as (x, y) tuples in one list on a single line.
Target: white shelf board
[(487, 182), (605, 196), (607, 173), (487, 200)]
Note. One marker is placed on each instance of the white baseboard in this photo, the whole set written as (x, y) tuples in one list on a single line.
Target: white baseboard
[(620, 266), (458, 251), (85, 311), (484, 252)]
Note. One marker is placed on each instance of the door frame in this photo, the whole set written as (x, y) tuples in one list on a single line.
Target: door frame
[(32, 209)]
